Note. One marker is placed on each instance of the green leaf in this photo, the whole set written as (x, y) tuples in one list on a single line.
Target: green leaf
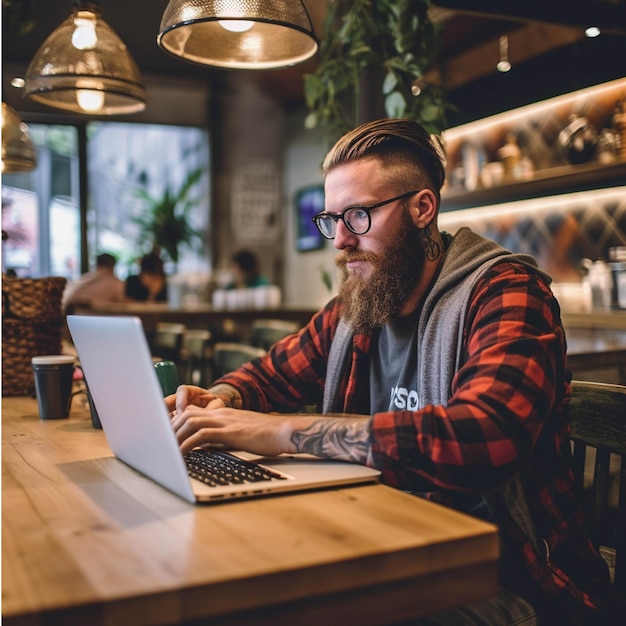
[(390, 82), (395, 104), (310, 121), (430, 112)]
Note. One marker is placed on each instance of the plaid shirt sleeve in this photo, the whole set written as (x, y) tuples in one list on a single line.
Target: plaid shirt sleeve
[(512, 378)]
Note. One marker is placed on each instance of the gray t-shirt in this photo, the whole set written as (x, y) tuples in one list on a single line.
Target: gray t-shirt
[(393, 373)]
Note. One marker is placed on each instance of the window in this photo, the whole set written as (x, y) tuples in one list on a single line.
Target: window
[(41, 209), (126, 159)]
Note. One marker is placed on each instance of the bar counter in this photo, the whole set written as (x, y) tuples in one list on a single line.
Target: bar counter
[(197, 316), (596, 341), (88, 540)]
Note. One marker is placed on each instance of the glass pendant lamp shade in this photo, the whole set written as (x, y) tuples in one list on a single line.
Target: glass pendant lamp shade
[(85, 67), (18, 151), (238, 34)]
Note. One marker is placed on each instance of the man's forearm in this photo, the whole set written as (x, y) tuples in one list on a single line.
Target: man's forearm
[(345, 438)]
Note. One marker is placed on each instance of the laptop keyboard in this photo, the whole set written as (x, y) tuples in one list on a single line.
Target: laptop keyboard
[(216, 468)]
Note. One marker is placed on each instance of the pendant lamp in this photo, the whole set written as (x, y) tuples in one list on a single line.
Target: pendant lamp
[(238, 34), (84, 67), (18, 150)]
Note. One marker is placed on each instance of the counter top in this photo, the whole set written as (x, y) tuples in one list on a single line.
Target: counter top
[(601, 320)]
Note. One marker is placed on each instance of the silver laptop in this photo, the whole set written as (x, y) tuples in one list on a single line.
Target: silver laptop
[(117, 363)]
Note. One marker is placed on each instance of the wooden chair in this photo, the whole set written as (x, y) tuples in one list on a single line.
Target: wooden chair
[(598, 413), (265, 333), (230, 356)]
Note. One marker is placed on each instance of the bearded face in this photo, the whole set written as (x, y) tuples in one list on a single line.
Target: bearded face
[(372, 301)]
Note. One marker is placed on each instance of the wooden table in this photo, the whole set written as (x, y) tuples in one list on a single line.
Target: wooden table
[(87, 540)]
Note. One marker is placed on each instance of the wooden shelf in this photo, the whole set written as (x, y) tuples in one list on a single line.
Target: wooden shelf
[(547, 182)]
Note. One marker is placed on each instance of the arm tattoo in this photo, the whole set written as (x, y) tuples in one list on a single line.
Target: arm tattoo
[(344, 438), (229, 395)]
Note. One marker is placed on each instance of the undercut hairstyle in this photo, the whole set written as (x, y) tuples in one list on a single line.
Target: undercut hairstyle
[(409, 155)]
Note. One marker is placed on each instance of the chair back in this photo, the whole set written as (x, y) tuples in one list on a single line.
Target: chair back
[(228, 356), (196, 355), (265, 333), (166, 342), (598, 414)]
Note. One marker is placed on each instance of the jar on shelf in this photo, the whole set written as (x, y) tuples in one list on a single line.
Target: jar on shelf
[(578, 140), (617, 258), (511, 157), (600, 282)]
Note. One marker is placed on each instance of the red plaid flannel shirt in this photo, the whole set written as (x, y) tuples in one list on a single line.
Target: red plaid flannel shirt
[(507, 413)]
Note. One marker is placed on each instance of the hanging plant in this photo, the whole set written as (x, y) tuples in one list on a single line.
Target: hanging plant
[(396, 41), (164, 219)]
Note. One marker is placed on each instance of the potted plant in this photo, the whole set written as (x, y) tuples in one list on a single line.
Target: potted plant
[(164, 219), (392, 41)]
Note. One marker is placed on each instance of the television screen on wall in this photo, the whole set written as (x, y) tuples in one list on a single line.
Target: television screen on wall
[(308, 203)]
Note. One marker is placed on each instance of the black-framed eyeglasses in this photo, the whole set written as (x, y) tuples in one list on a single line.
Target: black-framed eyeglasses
[(356, 218)]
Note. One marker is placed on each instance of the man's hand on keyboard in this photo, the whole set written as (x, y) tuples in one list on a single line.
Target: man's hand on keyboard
[(235, 429)]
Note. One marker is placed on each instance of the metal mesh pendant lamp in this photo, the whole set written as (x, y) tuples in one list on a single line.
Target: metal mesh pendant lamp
[(18, 151), (84, 67), (238, 34)]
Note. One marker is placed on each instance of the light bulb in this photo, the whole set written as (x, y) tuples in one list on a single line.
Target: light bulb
[(503, 66), (236, 26), (89, 100), (84, 36)]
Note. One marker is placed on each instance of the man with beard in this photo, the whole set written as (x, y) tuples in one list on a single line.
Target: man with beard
[(441, 363)]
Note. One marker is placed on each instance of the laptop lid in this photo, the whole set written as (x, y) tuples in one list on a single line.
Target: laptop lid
[(117, 363)]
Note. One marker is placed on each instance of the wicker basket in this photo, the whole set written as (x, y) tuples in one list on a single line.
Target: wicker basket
[(32, 324)]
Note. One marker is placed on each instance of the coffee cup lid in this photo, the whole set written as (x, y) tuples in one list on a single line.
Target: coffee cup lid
[(53, 359)]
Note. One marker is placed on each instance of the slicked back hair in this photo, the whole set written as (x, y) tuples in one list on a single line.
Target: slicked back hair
[(405, 149)]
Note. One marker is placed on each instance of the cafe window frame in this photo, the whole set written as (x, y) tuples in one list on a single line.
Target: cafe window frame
[(38, 184)]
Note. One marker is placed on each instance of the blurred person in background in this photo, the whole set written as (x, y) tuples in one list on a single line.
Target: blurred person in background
[(246, 272), (99, 285), (150, 285)]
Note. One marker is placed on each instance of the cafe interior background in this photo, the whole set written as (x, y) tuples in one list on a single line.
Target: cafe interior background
[(536, 154)]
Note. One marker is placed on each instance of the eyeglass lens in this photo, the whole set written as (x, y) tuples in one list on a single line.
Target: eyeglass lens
[(357, 220)]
